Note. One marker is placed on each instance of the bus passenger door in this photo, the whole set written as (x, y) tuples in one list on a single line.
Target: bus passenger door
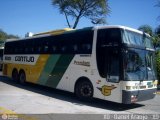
[(112, 87)]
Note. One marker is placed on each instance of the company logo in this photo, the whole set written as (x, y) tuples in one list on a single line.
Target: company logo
[(4, 116), (106, 90), (24, 58), (21, 59), (9, 117)]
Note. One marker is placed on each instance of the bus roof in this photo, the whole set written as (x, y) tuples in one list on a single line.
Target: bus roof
[(53, 32), (122, 27), (69, 30), (43, 34)]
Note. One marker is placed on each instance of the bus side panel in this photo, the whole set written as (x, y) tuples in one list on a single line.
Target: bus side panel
[(78, 67), (47, 69), (33, 72), (54, 69), (7, 69), (81, 67)]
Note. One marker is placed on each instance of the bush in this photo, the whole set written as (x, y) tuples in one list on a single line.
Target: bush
[(158, 65)]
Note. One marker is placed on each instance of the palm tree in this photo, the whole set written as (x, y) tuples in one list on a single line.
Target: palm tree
[(157, 31), (147, 29), (154, 35), (158, 5), (157, 36), (156, 41)]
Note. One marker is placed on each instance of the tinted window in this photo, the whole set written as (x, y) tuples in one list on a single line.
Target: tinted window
[(77, 42), (140, 65), (133, 38), (107, 40)]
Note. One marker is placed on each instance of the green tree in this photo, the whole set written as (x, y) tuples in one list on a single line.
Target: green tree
[(158, 5), (154, 35), (4, 36), (95, 10), (157, 31), (146, 29), (158, 65)]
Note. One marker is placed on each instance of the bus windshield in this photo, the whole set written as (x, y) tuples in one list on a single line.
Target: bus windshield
[(140, 65), (133, 38)]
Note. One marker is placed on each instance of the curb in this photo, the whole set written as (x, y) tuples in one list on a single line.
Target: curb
[(158, 89)]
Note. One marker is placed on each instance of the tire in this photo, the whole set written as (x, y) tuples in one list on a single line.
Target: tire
[(15, 75), (84, 90), (22, 78)]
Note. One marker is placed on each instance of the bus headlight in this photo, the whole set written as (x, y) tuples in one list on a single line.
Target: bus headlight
[(155, 83), (131, 87)]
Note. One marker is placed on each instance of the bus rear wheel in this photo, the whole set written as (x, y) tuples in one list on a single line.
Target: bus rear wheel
[(22, 77), (84, 90), (15, 75)]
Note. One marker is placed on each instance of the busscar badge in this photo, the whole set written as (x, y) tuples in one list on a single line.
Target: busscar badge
[(106, 90)]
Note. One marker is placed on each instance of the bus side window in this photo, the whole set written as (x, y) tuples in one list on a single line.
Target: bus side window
[(86, 47), (75, 48), (101, 52), (46, 48), (107, 39), (54, 48), (63, 49), (113, 72)]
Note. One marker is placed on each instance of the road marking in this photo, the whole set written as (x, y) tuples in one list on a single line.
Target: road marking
[(11, 114), (6, 111), (158, 92)]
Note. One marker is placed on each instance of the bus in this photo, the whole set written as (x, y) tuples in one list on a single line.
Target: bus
[(113, 63), (1, 57), (1, 54)]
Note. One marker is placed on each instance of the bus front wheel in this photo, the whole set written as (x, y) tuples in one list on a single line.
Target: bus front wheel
[(22, 77), (84, 90)]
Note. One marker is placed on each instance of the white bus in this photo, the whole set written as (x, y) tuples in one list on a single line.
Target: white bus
[(1, 54), (113, 63)]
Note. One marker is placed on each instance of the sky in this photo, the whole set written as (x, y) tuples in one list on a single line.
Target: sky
[(21, 16)]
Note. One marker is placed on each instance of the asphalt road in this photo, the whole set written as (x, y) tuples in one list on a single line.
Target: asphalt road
[(46, 102)]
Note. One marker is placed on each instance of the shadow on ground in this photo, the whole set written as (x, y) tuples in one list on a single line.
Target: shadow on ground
[(70, 97)]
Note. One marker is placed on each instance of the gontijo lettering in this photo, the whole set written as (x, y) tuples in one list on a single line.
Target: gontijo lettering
[(24, 58)]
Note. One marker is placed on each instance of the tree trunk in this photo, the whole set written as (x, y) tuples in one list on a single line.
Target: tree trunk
[(67, 20), (77, 19)]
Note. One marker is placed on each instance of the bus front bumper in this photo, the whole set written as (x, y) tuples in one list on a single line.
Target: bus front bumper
[(129, 97)]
